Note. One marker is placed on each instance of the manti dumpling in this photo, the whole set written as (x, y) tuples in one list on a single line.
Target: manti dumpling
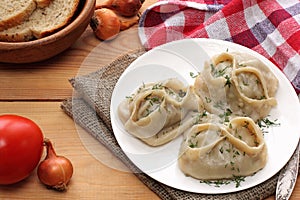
[(155, 112), (217, 151), (239, 82)]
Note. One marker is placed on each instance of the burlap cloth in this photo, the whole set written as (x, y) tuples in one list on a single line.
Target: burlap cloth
[(91, 110)]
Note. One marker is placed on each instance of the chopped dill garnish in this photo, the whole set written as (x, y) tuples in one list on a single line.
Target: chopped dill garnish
[(228, 82), (219, 73), (238, 180), (207, 99), (199, 116), (221, 150), (193, 75), (218, 183), (266, 123), (141, 88), (193, 145), (226, 115), (157, 86), (130, 98)]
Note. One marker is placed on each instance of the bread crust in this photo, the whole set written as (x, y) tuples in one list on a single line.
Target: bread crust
[(49, 17), (42, 3), (17, 15)]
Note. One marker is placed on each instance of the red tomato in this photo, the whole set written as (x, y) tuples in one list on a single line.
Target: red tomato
[(21, 147)]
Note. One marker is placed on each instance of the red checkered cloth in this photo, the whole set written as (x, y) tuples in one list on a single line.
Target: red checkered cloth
[(270, 27)]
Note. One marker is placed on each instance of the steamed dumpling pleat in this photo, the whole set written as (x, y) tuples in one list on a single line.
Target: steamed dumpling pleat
[(255, 86), (155, 112), (216, 151), (238, 82)]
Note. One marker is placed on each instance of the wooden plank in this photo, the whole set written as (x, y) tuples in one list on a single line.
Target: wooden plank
[(92, 178), (48, 80)]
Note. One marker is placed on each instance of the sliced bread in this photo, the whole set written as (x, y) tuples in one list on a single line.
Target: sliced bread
[(13, 13), (42, 22)]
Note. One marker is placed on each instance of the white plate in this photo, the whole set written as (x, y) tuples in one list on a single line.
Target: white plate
[(178, 59)]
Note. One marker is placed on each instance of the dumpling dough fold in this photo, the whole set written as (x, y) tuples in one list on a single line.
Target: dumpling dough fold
[(239, 82), (155, 112), (216, 151)]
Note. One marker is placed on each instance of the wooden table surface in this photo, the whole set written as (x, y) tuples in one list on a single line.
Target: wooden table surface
[(37, 90)]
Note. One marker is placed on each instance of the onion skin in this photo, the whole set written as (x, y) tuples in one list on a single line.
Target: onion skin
[(55, 171), (126, 8), (105, 24)]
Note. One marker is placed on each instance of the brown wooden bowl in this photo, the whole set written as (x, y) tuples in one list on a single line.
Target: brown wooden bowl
[(47, 47)]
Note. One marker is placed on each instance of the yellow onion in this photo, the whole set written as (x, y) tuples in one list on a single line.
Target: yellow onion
[(105, 24), (127, 8), (54, 171)]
